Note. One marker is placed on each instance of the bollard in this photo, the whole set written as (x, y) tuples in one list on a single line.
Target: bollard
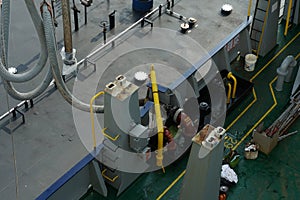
[(104, 32), (159, 12), (112, 20)]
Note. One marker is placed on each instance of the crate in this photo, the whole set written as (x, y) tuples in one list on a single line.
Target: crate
[(266, 143)]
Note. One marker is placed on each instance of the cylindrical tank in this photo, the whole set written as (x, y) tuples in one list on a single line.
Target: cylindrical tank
[(142, 5)]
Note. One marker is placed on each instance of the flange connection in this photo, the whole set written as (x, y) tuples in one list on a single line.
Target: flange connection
[(69, 61)]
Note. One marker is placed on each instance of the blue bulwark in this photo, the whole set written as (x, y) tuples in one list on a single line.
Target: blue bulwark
[(69, 174)]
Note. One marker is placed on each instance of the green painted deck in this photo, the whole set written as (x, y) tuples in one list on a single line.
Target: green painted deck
[(276, 176)]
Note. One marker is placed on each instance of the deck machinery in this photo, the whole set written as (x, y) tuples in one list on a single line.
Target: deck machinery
[(129, 145)]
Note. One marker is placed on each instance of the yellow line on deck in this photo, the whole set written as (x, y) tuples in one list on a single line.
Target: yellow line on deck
[(254, 94), (279, 52), (171, 185), (263, 117), (245, 110)]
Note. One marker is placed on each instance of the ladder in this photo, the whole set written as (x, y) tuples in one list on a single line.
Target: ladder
[(290, 5), (259, 24)]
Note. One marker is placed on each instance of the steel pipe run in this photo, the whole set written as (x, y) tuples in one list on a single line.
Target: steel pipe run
[(285, 71)]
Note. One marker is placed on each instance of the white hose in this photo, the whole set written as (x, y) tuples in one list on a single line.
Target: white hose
[(4, 38), (38, 24), (51, 47)]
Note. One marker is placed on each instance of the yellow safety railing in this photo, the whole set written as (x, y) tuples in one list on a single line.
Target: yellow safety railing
[(92, 116), (108, 178), (229, 92), (263, 28), (249, 9), (288, 17), (230, 75), (263, 117), (108, 136), (159, 122)]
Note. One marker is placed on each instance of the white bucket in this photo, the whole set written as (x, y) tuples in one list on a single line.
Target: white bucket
[(250, 60)]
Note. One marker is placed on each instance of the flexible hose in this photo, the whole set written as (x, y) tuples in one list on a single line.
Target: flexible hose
[(7, 84), (51, 47), (32, 72), (5, 18)]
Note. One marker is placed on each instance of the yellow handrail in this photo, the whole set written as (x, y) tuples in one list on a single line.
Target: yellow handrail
[(263, 28), (288, 18), (108, 136), (230, 75), (229, 92), (160, 129), (108, 178), (249, 9), (263, 117), (92, 116)]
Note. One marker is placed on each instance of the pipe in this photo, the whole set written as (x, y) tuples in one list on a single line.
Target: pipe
[(65, 4), (92, 117), (249, 9), (230, 75), (285, 71), (159, 122), (32, 72), (118, 36), (31, 94), (61, 86), (288, 17), (229, 92)]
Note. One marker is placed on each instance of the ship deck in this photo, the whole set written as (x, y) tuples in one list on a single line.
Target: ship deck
[(273, 176), (35, 154)]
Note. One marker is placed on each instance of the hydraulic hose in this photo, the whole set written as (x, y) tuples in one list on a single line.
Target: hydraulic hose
[(32, 72), (5, 18), (7, 84), (51, 47)]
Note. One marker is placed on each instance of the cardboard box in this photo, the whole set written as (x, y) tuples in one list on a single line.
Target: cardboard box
[(266, 143)]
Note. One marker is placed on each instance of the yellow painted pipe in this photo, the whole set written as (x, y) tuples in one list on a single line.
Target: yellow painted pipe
[(230, 75), (229, 93), (159, 122), (288, 17), (263, 28), (92, 116), (249, 8)]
